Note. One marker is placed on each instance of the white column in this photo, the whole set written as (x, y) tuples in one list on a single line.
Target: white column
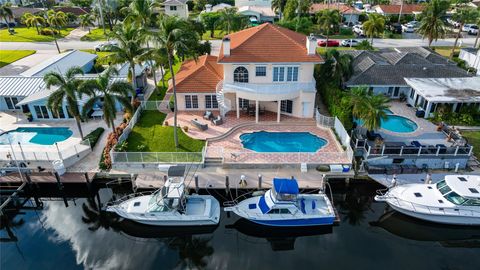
[(427, 110), (237, 101), (256, 111), (278, 110)]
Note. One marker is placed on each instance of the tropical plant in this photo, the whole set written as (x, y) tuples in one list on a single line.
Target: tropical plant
[(174, 35), (365, 45), (290, 10), (140, 12), (231, 21), (56, 20), (6, 13), (67, 90), (374, 111), (356, 99), (108, 92), (374, 26), (432, 26), (340, 66), (31, 20), (210, 20), (298, 24), (159, 58), (327, 20), (463, 15), (86, 20), (278, 6)]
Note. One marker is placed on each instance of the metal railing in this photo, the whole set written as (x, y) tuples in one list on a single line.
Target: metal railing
[(324, 121), (157, 157)]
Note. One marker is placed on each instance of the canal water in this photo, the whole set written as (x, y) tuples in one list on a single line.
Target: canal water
[(369, 236)]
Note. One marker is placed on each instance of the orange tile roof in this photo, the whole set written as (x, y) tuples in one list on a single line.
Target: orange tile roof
[(395, 9), (267, 43), (200, 76), (344, 9)]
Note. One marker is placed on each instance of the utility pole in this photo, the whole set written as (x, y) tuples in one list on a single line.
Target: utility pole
[(401, 9)]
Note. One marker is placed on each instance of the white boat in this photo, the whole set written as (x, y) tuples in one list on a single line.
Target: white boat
[(283, 206), (169, 206), (453, 200)]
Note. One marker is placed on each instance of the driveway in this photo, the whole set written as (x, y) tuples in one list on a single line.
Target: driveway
[(23, 64)]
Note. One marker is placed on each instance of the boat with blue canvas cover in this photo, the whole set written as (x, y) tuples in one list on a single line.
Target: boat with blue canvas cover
[(284, 206)]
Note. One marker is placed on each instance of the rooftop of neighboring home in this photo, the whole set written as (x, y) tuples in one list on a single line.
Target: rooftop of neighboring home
[(215, 8), (267, 43), (343, 8), (61, 63), (74, 10), (447, 89), (264, 11), (19, 11), (474, 51), (198, 76), (174, 2), (391, 66), (395, 9)]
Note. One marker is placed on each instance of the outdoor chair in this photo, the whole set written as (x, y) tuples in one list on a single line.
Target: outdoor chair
[(217, 121), (208, 115), (199, 125)]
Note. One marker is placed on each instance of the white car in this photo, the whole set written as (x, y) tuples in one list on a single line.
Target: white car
[(470, 28), (473, 30), (350, 42), (105, 46), (358, 29), (414, 24), (454, 23), (407, 28)]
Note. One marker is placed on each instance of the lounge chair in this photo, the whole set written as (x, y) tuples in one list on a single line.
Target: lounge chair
[(371, 135), (208, 115), (217, 121), (199, 125), (416, 144)]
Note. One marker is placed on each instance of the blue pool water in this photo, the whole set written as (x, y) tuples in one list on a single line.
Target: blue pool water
[(396, 123), (34, 135), (264, 141)]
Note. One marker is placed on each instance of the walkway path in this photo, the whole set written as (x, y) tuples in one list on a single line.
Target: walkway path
[(75, 35)]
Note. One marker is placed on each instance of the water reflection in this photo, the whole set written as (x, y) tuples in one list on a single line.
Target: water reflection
[(354, 204)]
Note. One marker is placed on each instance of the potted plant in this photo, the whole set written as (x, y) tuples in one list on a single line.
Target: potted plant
[(29, 116), (185, 128), (440, 126)]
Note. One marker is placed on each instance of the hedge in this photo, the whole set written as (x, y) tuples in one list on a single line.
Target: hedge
[(94, 136)]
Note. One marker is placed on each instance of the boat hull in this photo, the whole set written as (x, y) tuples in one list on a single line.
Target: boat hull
[(296, 222)]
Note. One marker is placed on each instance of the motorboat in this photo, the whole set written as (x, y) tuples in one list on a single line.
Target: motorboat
[(170, 205), (284, 206), (453, 200)]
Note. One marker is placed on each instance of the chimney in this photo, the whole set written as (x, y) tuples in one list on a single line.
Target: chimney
[(226, 46), (311, 45)]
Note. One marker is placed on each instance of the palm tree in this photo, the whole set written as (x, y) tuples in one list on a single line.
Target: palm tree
[(86, 20), (33, 20), (374, 26), (128, 50), (279, 6), (6, 13), (67, 90), (327, 20), (228, 19), (140, 11), (478, 33), (103, 90), (56, 20), (174, 34), (374, 111), (432, 26), (356, 100), (341, 66), (463, 15), (159, 59)]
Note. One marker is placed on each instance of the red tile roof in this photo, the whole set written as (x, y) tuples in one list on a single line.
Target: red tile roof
[(395, 9), (74, 10), (344, 9), (267, 43), (200, 76)]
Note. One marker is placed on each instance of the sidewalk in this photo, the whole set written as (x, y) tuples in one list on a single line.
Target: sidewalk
[(75, 35)]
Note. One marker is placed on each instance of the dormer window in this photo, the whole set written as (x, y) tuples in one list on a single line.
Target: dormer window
[(240, 74)]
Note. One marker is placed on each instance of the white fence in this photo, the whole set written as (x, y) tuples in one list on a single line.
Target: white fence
[(336, 124), (324, 121), (287, 158)]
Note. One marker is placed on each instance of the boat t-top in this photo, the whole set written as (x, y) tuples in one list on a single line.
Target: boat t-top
[(170, 205), (284, 206), (453, 200)]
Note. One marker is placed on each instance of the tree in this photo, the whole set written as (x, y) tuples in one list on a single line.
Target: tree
[(374, 111), (356, 99), (159, 58), (33, 20), (56, 20), (140, 12), (463, 15), (278, 6), (374, 26), (86, 20), (199, 5), (82, 3), (432, 26), (128, 49), (328, 19), (174, 35), (210, 20), (103, 90), (6, 14), (230, 20), (478, 32), (67, 90), (298, 24), (290, 10)]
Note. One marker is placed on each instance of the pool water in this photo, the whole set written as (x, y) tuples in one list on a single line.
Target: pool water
[(264, 141), (395, 123), (36, 135)]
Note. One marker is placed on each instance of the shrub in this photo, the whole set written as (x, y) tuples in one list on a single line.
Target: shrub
[(346, 31), (323, 168), (365, 45), (48, 32), (94, 136), (101, 164)]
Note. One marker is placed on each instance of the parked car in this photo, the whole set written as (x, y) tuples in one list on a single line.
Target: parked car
[(330, 43), (414, 24), (4, 25), (105, 47), (406, 28), (395, 28), (358, 30), (468, 27), (350, 42), (473, 30)]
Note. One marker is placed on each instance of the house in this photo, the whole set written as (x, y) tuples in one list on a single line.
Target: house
[(263, 68), (77, 11), (472, 57), (215, 8), (176, 8), (349, 14), (256, 10), (405, 9), (384, 71), (62, 62), (18, 12)]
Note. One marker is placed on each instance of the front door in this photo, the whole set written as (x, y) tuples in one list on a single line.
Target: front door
[(396, 91), (306, 109)]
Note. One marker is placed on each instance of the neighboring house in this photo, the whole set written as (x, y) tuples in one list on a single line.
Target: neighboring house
[(256, 10), (77, 11), (406, 9), (215, 8), (384, 71), (349, 14), (472, 57), (258, 3), (62, 62), (19, 11), (176, 8), (263, 68)]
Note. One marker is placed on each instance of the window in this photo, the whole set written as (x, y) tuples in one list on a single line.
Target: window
[(455, 198), (412, 93), (173, 8), (286, 106), (191, 102), (261, 71), (60, 114), (41, 111), (11, 103), (292, 74), (278, 74), (240, 74), (279, 211), (211, 102), (243, 103)]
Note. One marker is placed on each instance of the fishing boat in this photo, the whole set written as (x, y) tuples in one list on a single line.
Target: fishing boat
[(453, 200), (170, 205), (284, 206)]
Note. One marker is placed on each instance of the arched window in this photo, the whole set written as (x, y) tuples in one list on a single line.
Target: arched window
[(240, 74)]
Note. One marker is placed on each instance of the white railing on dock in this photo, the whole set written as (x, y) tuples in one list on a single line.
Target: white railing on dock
[(327, 158), (157, 157)]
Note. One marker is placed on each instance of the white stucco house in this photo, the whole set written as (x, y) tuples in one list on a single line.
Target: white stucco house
[(472, 57), (176, 8), (256, 10), (263, 68)]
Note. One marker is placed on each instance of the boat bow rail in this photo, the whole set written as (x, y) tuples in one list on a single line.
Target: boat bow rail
[(128, 197)]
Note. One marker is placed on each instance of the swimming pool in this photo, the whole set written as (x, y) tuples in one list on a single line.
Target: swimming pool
[(263, 141), (36, 135), (395, 123)]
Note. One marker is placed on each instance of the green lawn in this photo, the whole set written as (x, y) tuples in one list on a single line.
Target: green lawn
[(24, 34), (157, 138), (323, 50), (445, 50), (473, 138), (102, 56), (217, 34), (159, 93), (95, 35), (7, 56)]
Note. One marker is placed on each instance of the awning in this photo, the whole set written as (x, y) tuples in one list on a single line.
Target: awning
[(285, 186), (40, 95)]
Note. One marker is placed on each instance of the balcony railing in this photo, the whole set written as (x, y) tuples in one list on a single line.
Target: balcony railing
[(269, 88)]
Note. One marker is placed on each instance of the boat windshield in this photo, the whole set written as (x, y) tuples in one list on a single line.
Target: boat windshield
[(455, 198), (283, 196), (443, 187)]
